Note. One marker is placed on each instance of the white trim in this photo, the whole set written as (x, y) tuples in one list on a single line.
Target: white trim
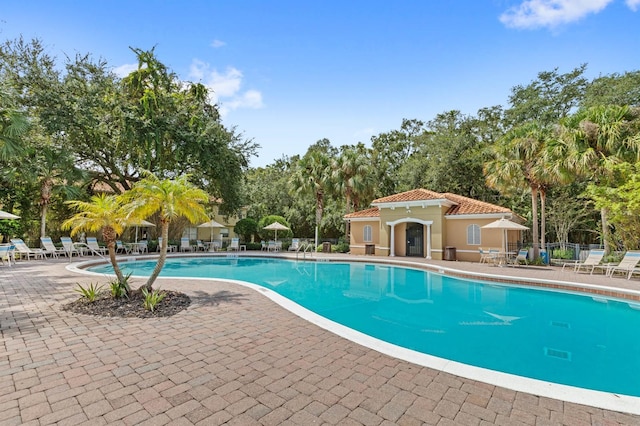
[(480, 216), (417, 203), (363, 219)]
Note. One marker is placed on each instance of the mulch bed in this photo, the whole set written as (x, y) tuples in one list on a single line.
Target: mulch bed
[(132, 307)]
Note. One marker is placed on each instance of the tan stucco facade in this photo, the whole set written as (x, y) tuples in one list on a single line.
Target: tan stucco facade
[(428, 228)]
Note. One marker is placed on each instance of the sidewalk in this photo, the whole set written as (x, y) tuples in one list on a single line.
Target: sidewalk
[(234, 357)]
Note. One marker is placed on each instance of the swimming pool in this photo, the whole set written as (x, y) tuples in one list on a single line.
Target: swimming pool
[(558, 337)]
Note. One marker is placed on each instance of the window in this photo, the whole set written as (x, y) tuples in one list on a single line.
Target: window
[(367, 230), (190, 232), (473, 235)]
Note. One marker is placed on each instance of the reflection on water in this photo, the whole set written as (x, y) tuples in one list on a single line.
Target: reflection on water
[(558, 337)]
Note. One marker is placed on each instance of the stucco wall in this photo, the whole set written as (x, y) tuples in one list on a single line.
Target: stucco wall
[(429, 213), (489, 238)]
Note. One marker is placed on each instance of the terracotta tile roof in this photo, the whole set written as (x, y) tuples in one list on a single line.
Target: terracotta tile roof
[(464, 205), (372, 212), (413, 195), (471, 206)]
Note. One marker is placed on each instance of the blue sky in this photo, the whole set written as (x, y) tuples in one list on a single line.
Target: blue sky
[(287, 73)]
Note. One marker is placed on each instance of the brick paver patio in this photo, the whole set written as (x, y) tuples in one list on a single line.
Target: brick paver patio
[(234, 357)]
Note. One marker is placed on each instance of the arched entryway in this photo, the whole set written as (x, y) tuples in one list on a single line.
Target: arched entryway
[(415, 239), (409, 221)]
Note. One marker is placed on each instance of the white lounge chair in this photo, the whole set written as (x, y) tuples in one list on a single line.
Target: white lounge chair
[(521, 257), (69, 246), (234, 245), (122, 248), (626, 266), (200, 246), (49, 248), (6, 253), (295, 244), (590, 263), (92, 243), (185, 244), (23, 250)]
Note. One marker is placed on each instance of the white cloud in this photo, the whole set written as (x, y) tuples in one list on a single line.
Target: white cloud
[(552, 13), (124, 70), (633, 4), (225, 87), (217, 44)]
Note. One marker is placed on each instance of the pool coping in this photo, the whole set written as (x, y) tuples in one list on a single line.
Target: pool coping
[(599, 399)]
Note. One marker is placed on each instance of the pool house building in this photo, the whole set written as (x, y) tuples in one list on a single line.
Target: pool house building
[(428, 224)]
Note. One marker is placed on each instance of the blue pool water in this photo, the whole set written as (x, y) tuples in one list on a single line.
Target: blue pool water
[(558, 337)]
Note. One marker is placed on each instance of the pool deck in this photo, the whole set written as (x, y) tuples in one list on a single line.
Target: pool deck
[(236, 357)]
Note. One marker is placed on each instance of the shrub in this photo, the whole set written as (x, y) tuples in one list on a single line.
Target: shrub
[(246, 228), (118, 289), (90, 292), (341, 247), (152, 298), (254, 246), (562, 254)]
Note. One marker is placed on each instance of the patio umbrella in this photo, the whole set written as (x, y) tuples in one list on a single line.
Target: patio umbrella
[(276, 226), (5, 215), (505, 225), (141, 224), (211, 224)]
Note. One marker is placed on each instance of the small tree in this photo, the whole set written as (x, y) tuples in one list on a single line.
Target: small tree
[(104, 213), (246, 227), (171, 199)]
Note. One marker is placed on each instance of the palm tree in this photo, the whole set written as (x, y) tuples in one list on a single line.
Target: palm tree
[(596, 139), (104, 213), (13, 125), (169, 198), (349, 171), (312, 175), (517, 165), (56, 173)]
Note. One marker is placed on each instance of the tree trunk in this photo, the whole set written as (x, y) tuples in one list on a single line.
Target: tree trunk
[(319, 208), (543, 222), (163, 256), (534, 214), (43, 220), (606, 239), (347, 224), (109, 236), (45, 199)]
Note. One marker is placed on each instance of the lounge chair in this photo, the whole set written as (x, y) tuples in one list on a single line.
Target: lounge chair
[(92, 243), (521, 257), (49, 248), (122, 248), (6, 253), (485, 256), (234, 245), (200, 246), (69, 246), (626, 266), (264, 246), (295, 244), (23, 250), (185, 245), (170, 248), (590, 263)]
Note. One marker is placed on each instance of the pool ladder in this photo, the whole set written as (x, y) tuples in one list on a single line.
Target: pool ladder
[(304, 249)]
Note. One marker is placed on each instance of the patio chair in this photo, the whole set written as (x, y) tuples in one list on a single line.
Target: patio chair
[(23, 250), (264, 246), (122, 248), (592, 261), (626, 266), (185, 245), (5, 253), (520, 257), (49, 248), (170, 248), (234, 245), (69, 247), (484, 255), (295, 244), (215, 246), (200, 246), (92, 243)]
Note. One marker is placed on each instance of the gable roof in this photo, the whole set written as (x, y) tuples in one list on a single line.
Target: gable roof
[(458, 205), (413, 195)]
